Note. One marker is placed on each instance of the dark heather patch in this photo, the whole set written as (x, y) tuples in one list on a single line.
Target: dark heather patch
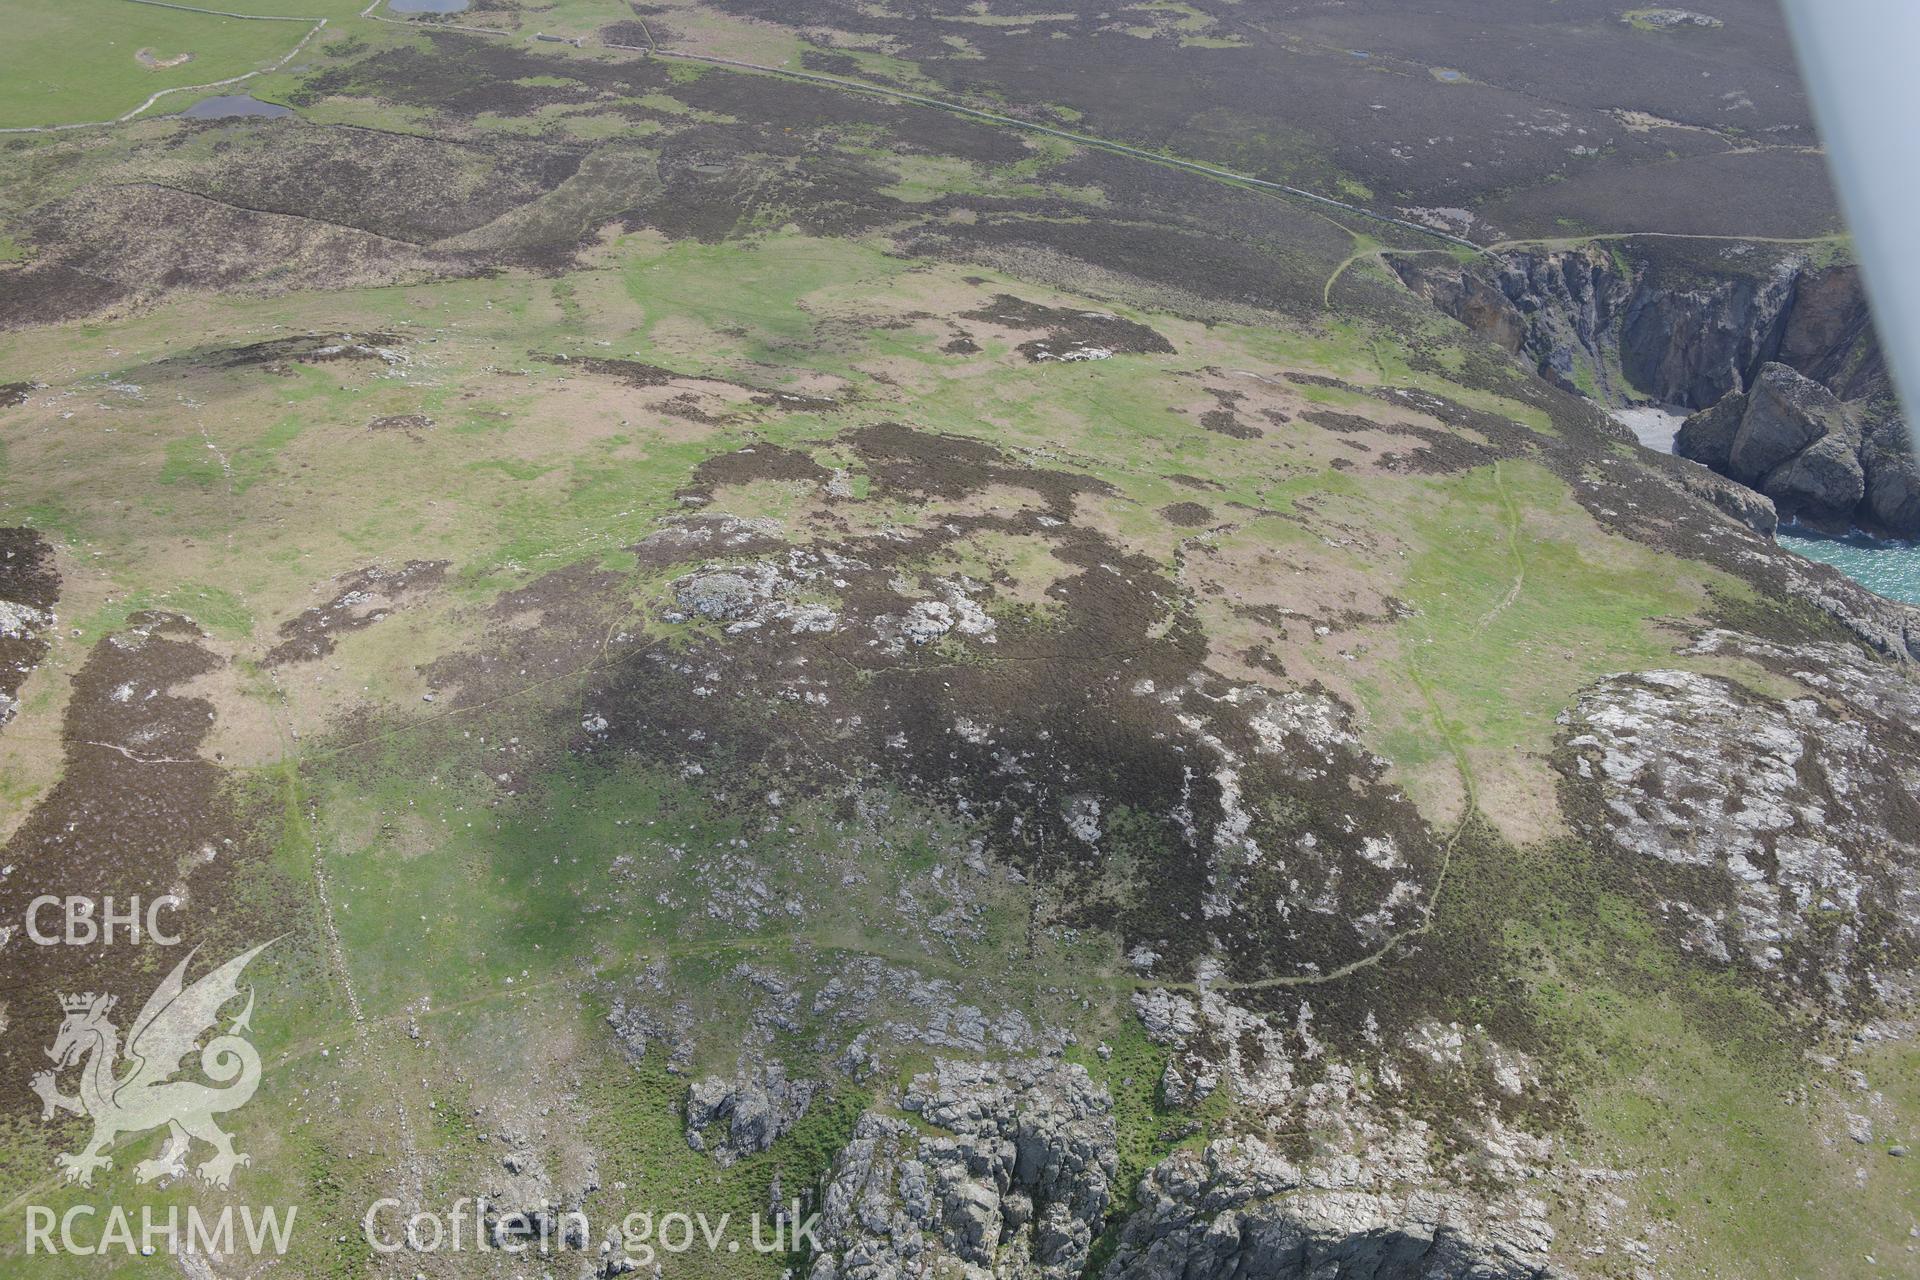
[(13, 393), (1293, 63), (961, 347), (1300, 379), (1203, 263), (718, 182), (28, 578), (761, 461), (784, 153), (1225, 422), (27, 572), (1264, 659), (1187, 514), (634, 373), (401, 186), (364, 598), (804, 107), (461, 75), (687, 407), (574, 610), (910, 462), (1331, 420), (48, 293), (1069, 331), (633, 35), (554, 590), (138, 811), (1446, 449), (1271, 616)]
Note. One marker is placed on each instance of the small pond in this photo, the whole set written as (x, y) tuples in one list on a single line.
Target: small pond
[(427, 6)]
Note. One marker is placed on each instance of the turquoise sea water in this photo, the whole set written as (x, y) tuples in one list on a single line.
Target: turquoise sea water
[(1890, 568)]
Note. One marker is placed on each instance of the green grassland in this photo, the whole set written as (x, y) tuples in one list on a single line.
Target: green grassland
[(74, 61), (68, 61)]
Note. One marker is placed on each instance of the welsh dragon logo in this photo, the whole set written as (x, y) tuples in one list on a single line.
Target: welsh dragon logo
[(138, 1093)]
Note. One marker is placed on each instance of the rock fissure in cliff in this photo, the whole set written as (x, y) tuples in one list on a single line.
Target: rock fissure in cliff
[(1776, 357)]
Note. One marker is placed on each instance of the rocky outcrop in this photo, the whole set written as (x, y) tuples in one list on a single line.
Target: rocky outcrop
[(1754, 510), (1784, 414), (1788, 437), (1779, 356), (1792, 439), (1707, 437), (1594, 322), (1824, 479), (1017, 1177), (1669, 19), (1892, 472), (1781, 359), (1017, 1184), (1646, 328), (1777, 836), (731, 1119), (1485, 306), (1559, 309), (1240, 1209), (746, 597), (29, 588), (1885, 626), (1691, 344), (1829, 334)]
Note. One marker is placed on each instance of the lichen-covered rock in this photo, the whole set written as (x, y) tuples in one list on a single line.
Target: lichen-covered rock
[(1782, 836), (703, 533), (29, 587), (763, 593), (1019, 1188), (731, 1119), (1018, 1173), (1670, 19), (718, 595), (1240, 1209)]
